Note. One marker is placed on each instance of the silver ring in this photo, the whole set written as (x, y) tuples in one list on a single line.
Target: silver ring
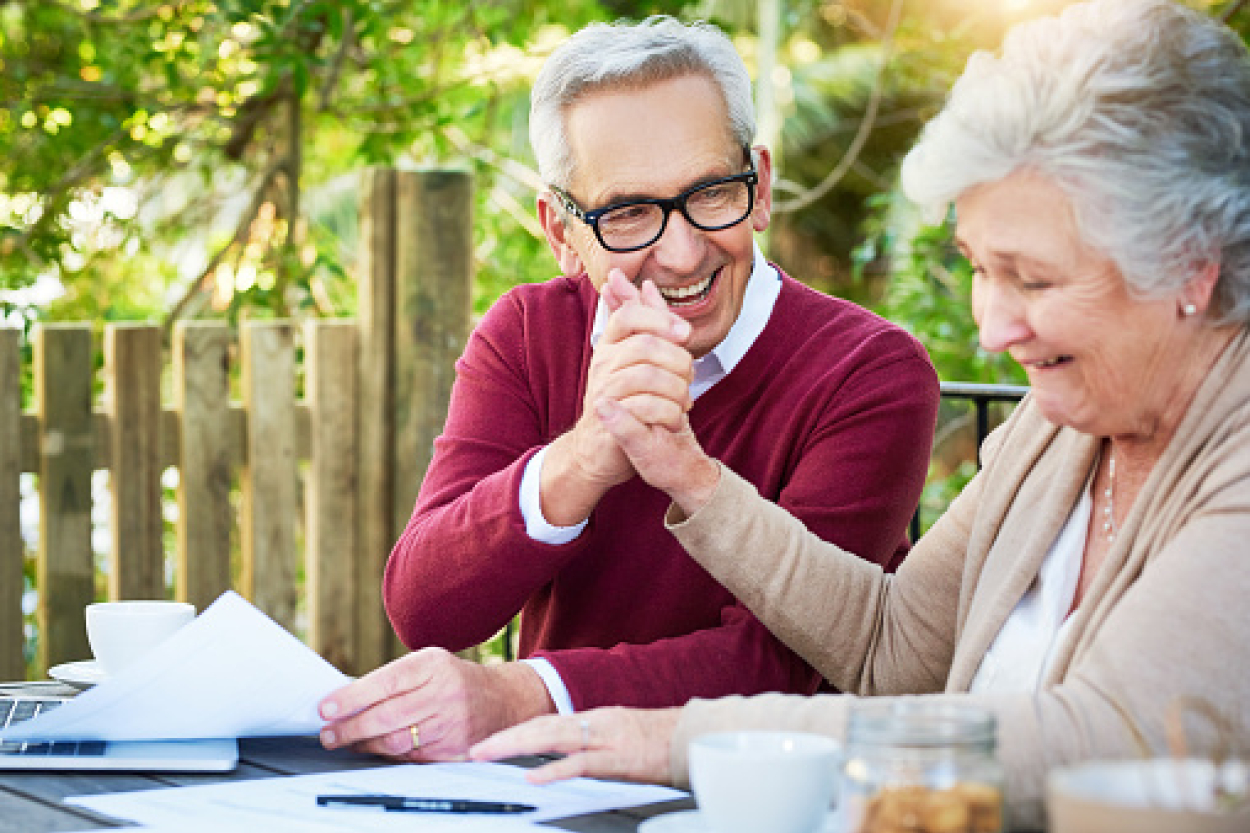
[(585, 724)]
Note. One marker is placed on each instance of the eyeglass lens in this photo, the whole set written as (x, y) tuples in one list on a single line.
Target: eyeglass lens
[(714, 206)]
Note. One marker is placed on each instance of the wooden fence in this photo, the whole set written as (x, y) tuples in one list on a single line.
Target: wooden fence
[(374, 396)]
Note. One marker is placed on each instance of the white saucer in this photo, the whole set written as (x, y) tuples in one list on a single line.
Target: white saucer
[(82, 674), (692, 821)]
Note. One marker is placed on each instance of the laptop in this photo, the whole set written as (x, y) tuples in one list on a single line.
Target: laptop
[(212, 755)]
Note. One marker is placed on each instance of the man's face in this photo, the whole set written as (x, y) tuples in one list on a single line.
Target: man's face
[(659, 141)]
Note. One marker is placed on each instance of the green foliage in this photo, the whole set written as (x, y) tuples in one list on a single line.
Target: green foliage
[(163, 157), (928, 292)]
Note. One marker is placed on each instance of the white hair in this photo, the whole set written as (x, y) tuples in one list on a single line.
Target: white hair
[(623, 56), (1140, 111)]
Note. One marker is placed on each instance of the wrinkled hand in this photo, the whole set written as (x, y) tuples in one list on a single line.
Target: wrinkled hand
[(452, 702), (639, 361), (625, 744), (657, 441), (670, 460)]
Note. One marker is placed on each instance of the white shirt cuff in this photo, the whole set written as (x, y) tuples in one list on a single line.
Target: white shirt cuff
[(532, 509), (555, 685)]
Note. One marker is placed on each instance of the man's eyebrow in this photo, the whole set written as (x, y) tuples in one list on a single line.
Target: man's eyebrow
[(618, 197)]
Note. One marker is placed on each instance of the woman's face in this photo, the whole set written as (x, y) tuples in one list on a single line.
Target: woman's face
[(1098, 360)]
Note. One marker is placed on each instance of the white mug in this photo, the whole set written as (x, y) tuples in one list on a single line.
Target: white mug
[(121, 632), (751, 781)]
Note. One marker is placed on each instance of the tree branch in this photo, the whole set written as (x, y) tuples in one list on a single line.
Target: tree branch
[(510, 167), (240, 233), (865, 126), (1228, 13), (336, 66)]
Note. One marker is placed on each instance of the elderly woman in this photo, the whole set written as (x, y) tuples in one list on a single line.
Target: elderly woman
[(1095, 571)]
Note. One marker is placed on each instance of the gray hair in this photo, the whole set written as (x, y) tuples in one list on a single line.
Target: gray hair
[(1140, 111), (623, 56)]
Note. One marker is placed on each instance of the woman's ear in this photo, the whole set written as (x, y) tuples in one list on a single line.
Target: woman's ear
[(559, 238), (1196, 296)]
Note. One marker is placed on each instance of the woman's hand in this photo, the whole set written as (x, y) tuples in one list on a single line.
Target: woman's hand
[(671, 461), (618, 743)]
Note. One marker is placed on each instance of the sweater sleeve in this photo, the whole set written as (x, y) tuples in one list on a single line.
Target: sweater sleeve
[(866, 631), (464, 564), (856, 477)]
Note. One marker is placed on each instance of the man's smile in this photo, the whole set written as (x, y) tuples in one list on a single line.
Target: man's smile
[(680, 296)]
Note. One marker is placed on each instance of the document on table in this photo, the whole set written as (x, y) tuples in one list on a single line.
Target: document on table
[(231, 672), (278, 805)]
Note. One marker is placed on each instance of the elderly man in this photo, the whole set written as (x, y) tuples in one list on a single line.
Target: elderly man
[(644, 135)]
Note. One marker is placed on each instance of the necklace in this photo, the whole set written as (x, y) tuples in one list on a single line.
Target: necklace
[(1108, 512)]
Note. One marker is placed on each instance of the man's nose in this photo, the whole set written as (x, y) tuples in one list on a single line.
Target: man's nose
[(680, 247)]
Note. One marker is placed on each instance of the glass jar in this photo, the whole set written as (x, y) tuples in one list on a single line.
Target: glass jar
[(920, 767)]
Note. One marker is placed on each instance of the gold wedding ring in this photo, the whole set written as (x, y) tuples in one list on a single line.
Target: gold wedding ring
[(416, 736)]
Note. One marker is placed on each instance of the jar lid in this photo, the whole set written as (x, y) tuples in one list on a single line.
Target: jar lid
[(919, 723)]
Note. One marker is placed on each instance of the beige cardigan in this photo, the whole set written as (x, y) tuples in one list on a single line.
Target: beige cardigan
[(1167, 616)]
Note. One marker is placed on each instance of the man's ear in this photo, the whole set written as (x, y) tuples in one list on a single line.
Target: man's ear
[(762, 213), (559, 237)]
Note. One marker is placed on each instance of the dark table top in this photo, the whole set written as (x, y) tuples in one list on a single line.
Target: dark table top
[(31, 802)]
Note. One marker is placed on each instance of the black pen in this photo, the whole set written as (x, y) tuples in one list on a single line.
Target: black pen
[(403, 804)]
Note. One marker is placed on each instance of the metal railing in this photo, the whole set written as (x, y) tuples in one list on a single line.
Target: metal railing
[(981, 396)]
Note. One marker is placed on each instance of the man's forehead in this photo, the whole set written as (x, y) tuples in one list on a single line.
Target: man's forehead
[(652, 140)]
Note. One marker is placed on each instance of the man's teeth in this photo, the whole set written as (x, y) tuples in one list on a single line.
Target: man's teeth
[(677, 295), (1050, 362)]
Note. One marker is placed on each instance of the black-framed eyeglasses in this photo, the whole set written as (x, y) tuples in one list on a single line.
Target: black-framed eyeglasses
[(636, 224)]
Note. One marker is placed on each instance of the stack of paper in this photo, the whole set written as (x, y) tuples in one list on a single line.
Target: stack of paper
[(279, 805)]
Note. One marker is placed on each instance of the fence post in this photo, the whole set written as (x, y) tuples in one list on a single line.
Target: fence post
[(433, 265), (202, 401), (377, 452), (12, 549), (132, 366), (270, 470), (330, 384), (63, 370), (416, 285)]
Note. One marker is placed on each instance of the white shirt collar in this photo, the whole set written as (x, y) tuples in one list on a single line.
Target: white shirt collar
[(763, 289)]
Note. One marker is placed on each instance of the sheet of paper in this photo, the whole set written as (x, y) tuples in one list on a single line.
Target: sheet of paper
[(232, 672), (277, 805)]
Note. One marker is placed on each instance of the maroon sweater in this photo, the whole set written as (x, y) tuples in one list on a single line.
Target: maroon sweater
[(830, 414)]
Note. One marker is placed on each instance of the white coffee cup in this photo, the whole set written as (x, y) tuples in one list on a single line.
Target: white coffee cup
[(121, 632), (751, 781)]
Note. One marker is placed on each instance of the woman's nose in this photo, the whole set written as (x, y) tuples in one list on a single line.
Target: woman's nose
[(1000, 317)]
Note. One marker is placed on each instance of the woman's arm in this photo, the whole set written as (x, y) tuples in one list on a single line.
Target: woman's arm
[(865, 631)]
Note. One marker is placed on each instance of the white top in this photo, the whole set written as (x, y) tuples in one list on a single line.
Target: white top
[(763, 288), (1022, 653)]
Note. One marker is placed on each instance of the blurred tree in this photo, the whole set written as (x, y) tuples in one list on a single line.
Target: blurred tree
[(197, 157), (164, 157)]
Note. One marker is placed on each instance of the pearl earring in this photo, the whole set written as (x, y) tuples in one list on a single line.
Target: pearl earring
[(1188, 310)]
